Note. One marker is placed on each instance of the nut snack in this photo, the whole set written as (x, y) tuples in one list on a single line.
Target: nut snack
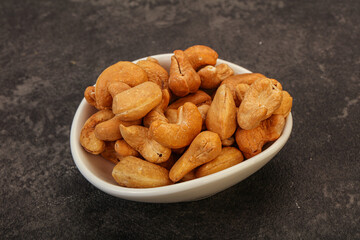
[(161, 127)]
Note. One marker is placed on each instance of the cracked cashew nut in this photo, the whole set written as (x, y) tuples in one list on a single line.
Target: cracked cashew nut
[(183, 78), (200, 55), (211, 76), (87, 136), (260, 101)]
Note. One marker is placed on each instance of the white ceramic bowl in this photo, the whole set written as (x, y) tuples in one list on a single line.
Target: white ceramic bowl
[(98, 170)]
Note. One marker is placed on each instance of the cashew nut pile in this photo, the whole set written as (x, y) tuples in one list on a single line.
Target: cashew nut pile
[(160, 128)]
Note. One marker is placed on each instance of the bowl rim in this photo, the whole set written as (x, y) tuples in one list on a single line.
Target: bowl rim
[(179, 187)]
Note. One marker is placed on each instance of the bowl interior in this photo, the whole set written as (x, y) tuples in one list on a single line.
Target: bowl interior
[(98, 170)]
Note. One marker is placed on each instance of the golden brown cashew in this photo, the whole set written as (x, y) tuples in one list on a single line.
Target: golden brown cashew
[(251, 141), (240, 90), (136, 102), (137, 173), (221, 117), (123, 71), (260, 101), (87, 136), (205, 147), (228, 157), (183, 78), (181, 133), (228, 142), (211, 76), (200, 55), (109, 130), (138, 138), (155, 73)]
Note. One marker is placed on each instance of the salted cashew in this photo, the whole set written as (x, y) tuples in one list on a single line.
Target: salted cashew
[(123, 149), (123, 71), (172, 115), (138, 138), (228, 141), (229, 156), (205, 147), (158, 112), (198, 98), (221, 117), (155, 73), (200, 55), (87, 136), (136, 102), (181, 133), (251, 141), (260, 101), (286, 104), (211, 76), (183, 78), (109, 130), (134, 172), (109, 153)]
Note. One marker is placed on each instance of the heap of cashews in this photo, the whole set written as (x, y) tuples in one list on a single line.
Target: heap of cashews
[(160, 128)]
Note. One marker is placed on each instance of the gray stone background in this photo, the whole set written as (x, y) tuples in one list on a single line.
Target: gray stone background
[(50, 51)]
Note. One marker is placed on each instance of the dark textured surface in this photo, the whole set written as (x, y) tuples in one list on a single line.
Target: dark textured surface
[(51, 50)]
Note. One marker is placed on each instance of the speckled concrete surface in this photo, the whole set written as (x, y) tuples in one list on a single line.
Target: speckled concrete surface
[(51, 50)]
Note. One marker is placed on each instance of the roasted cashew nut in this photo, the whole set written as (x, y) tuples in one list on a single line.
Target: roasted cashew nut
[(138, 138), (251, 141), (260, 101), (183, 78), (87, 136), (134, 172), (200, 55), (205, 147), (181, 133), (211, 76)]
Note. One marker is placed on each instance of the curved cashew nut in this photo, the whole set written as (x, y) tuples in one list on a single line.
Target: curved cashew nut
[(180, 134), (87, 136), (221, 117), (138, 138), (260, 101), (134, 172), (183, 78), (200, 55), (251, 141), (123, 71), (205, 147), (228, 157)]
